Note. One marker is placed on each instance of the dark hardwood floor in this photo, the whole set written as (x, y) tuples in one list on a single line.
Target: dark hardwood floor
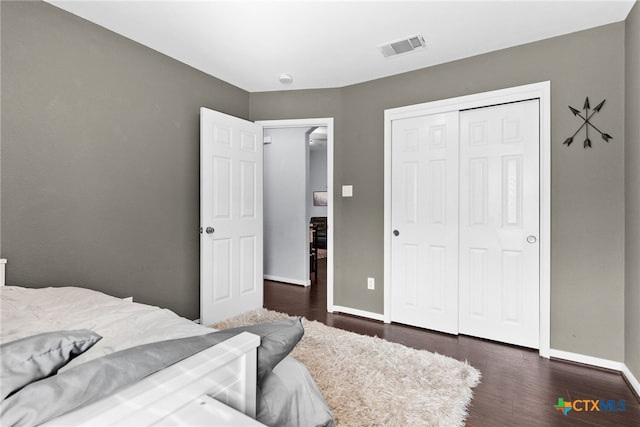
[(518, 388)]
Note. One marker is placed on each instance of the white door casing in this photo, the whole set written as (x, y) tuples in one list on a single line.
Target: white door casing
[(231, 198), (499, 223), (424, 260)]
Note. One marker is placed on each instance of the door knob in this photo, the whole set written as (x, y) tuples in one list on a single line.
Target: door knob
[(531, 239), (210, 230), (396, 233)]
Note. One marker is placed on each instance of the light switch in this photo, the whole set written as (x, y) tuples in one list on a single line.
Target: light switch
[(347, 191)]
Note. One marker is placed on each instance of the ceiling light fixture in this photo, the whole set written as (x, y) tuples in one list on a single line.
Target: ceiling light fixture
[(286, 79)]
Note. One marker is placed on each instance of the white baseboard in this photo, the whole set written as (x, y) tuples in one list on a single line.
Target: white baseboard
[(356, 312), (633, 381), (601, 363), (587, 360), (287, 280)]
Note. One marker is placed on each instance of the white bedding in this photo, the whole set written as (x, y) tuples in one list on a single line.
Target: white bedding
[(289, 398), (122, 323)]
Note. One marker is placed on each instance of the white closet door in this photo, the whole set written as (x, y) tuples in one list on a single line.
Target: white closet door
[(499, 223), (424, 260)]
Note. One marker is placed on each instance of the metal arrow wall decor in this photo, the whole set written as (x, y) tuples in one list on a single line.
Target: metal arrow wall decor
[(587, 123)]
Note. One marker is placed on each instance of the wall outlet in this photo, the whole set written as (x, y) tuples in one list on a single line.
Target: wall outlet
[(371, 283)]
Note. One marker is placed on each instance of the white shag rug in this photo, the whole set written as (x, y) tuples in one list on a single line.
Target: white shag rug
[(368, 381)]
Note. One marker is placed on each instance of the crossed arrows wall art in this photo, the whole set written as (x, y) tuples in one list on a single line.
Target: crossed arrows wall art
[(587, 123)]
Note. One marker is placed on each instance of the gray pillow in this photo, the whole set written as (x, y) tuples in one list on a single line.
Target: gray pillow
[(289, 382), (278, 339), (32, 358)]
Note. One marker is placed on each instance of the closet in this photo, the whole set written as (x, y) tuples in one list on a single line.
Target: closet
[(465, 221)]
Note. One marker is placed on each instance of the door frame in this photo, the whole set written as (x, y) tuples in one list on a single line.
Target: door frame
[(541, 91), (328, 123)]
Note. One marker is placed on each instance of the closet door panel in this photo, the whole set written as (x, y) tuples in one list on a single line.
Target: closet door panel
[(424, 260), (499, 223)]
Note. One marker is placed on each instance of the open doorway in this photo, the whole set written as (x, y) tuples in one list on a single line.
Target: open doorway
[(298, 181), (317, 199)]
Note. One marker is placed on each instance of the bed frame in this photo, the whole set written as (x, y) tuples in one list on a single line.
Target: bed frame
[(3, 262), (216, 386), (184, 393)]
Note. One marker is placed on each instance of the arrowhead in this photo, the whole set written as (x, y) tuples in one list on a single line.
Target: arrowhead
[(568, 141), (599, 106), (587, 143), (574, 111), (606, 137), (586, 103)]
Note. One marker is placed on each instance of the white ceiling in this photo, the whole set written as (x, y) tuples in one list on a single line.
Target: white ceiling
[(325, 44)]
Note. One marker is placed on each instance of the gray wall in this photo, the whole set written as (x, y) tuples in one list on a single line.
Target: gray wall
[(0, 132), (100, 166), (632, 175), (588, 185), (286, 225), (100, 159)]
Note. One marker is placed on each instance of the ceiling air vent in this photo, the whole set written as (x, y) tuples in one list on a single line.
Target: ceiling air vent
[(400, 47)]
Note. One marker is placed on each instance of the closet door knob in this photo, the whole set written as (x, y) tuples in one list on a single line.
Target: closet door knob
[(396, 233), (531, 239), (210, 230)]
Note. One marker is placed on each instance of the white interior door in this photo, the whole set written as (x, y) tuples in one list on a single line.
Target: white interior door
[(424, 247), (231, 239), (499, 223)]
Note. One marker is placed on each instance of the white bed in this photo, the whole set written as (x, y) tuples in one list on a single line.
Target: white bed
[(216, 386), (177, 395)]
